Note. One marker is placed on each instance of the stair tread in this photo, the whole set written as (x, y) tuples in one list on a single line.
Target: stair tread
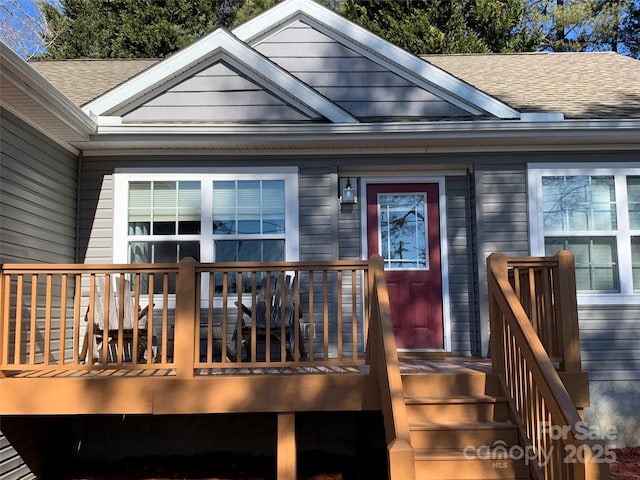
[(454, 399), (477, 425), (460, 372), (454, 454)]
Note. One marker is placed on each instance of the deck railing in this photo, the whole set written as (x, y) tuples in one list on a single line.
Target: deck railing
[(546, 287), (190, 318), (199, 316), (531, 304), (45, 311)]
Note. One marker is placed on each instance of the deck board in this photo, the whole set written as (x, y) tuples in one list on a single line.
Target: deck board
[(408, 366)]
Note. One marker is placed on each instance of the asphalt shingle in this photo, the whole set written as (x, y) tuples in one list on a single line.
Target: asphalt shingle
[(84, 80), (580, 85)]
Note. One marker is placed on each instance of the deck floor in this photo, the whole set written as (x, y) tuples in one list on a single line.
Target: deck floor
[(408, 366)]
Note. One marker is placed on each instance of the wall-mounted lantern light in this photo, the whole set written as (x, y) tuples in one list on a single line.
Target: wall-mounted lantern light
[(348, 192)]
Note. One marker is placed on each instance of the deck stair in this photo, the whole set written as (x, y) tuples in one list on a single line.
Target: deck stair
[(456, 418)]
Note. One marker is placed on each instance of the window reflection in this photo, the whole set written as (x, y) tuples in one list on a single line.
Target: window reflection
[(402, 227)]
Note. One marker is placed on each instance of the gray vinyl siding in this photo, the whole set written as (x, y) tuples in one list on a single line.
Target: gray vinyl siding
[(319, 240), (318, 231), (460, 265), (501, 221), (37, 196), (504, 222), (218, 93), (96, 213), (362, 87), (609, 339), (38, 181)]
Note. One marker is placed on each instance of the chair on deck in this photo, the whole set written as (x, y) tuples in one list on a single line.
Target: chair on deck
[(126, 296), (271, 304)]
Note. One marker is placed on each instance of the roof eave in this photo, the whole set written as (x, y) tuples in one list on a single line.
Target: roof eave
[(37, 89), (450, 134), (419, 128)]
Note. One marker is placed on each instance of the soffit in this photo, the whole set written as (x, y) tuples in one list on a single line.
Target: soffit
[(29, 96)]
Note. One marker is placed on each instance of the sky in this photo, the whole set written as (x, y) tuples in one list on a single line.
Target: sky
[(20, 25)]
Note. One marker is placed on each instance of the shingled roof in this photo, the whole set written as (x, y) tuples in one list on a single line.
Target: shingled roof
[(83, 80), (580, 85)]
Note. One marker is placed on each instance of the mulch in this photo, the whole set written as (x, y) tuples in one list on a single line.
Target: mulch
[(627, 464)]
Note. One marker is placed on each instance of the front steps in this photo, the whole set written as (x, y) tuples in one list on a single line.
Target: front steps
[(457, 418)]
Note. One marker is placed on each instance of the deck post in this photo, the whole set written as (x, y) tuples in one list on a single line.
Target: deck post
[(495, 324), (569, 312), (286, 449), (402, 464), (185, 320)]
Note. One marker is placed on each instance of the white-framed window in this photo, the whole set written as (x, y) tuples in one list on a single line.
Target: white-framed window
[(594, 213), (213, 216)]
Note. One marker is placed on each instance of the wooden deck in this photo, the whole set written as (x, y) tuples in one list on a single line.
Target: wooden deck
[(335, 387), (350, 363)]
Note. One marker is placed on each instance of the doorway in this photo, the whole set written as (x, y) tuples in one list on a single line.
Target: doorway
[(403, 226)]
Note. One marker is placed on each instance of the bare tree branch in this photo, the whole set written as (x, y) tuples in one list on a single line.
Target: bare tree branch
[(23, 26)]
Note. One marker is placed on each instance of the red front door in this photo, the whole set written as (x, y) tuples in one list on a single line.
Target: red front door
[(403, 226)]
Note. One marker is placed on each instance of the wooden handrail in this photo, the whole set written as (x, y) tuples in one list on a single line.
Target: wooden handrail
[(536, 393), (385, 366)]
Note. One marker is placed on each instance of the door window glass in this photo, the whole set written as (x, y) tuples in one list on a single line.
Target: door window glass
[(403, 230)]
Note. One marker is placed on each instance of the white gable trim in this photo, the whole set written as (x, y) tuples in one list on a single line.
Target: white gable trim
[(378, 50), (275, 90), (218, 43)]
